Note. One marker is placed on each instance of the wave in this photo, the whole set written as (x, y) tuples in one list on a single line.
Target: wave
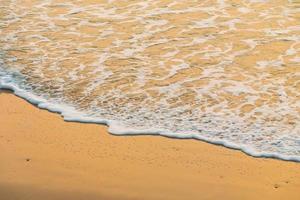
[(222, 72), (114, 127)]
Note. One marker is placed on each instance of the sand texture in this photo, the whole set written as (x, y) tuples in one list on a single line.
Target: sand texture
[(43, 157)]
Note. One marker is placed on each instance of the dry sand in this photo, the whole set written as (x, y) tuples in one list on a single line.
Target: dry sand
[(43, 157)]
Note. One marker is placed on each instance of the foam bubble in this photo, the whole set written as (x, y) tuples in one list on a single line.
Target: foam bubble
[(196, 70)]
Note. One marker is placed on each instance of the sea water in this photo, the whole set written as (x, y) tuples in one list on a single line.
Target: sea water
[(226, 72)]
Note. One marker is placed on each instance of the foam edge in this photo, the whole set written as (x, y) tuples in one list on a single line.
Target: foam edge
[(71, 115)]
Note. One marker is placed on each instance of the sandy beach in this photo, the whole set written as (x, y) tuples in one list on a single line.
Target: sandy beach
[(226, 72), (44, 157)]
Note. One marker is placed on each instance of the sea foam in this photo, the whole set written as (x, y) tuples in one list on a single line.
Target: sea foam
[(225, 73), (70, 114)]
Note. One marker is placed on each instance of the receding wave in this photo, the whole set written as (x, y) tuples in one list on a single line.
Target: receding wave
[(227, 72)]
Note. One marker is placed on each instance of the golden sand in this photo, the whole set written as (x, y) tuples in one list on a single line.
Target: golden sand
[(43, 157)]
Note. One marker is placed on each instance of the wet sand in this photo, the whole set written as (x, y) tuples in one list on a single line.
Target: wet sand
[(43, 157)]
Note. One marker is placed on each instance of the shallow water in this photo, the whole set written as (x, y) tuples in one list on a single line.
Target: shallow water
[(227, 72)]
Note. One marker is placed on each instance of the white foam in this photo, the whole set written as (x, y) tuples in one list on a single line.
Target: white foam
[(244, 10), (157, 93), (206, 23), (69, 113)]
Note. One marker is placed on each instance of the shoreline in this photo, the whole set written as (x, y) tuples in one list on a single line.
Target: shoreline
[(41, 103), (83, 160)]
